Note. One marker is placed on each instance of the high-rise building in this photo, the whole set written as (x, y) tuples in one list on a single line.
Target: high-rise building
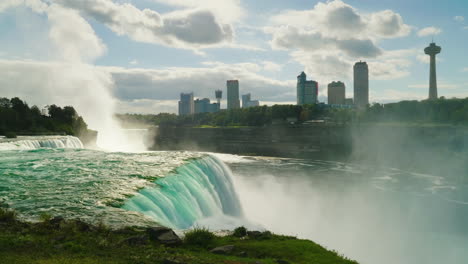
[(233, 94), (247, 102), (205, 106), (186, 104), (201, 105), (361, 84), (432, 51), (336, 93), (307, 91)]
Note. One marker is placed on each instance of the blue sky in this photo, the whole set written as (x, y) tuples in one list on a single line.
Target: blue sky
[(143, 53)]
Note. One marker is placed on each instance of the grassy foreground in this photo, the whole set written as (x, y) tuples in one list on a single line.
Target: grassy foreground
[(72, 241)]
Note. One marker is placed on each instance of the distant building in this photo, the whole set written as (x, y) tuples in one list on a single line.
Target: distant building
[(361, 84), (205, 106), (219, 95), (336, 93), (247, 102), (307, 91), (201, 105), (45, 111), (186, 104), (233, 94)]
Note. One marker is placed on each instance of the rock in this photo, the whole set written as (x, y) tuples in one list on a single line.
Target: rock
[(224, 250), (135, 240), (56, 221), (163, 235), (242, 254), (81, 226), (280, 261)]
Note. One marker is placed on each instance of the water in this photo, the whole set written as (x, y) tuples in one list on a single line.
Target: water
[(372, 214), (27, 142)]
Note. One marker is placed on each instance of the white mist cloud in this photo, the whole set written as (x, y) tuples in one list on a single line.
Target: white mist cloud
[(428, 31), (74, 40)]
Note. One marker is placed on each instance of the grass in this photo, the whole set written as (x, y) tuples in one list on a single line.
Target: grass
[(72, 241)]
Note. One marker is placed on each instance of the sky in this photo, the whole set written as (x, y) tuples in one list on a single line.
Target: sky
[(144, 53)]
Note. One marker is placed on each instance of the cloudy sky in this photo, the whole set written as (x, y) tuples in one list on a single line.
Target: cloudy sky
[(143, 53)]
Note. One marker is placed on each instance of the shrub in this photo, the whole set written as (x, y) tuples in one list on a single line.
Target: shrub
[(10, 135), (201, 237), (240, 232)]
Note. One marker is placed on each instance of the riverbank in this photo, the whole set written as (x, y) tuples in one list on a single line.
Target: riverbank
[(56, 240)]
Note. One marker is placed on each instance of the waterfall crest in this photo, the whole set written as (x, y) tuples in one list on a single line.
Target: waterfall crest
[(30, 143), (200, 189)]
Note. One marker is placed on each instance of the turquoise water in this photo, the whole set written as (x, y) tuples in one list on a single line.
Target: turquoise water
[(114, 188)]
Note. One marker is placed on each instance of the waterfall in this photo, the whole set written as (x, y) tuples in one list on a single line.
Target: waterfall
[(200, 189), (30, 143)]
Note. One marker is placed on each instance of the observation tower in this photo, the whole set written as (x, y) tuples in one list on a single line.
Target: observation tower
[(432, 51)]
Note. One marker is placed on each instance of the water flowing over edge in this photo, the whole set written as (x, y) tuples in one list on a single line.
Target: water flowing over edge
[(200, 189), (31, 143)]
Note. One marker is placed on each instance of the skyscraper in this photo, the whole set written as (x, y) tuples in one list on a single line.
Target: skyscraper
[(233, 94), (361, 84), (307, 91), (432, 51), (336, 93), (186, 104)]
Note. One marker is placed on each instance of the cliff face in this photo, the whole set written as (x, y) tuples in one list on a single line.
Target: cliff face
[(318, 141), (427, 148)]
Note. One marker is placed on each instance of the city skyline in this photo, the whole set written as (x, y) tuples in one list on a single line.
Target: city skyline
[(263, 44)]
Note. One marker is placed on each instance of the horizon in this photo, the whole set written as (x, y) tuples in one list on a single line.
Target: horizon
[(146, 52)]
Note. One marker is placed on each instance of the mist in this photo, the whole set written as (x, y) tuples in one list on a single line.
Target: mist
[(70, 77), (396, 199)]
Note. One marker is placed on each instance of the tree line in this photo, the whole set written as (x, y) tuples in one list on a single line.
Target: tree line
[(16, 117), (441, 111)]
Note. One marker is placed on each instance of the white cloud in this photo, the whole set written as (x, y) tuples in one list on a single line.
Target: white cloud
[(428, 31), (289, 37), (134, 62), (271, 66), (332, 36), (147, 106), (227, 11), (465, 69), (459, 18), (35, 5), (388, 24), (339, 20), (191, 29), (423, 58)]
